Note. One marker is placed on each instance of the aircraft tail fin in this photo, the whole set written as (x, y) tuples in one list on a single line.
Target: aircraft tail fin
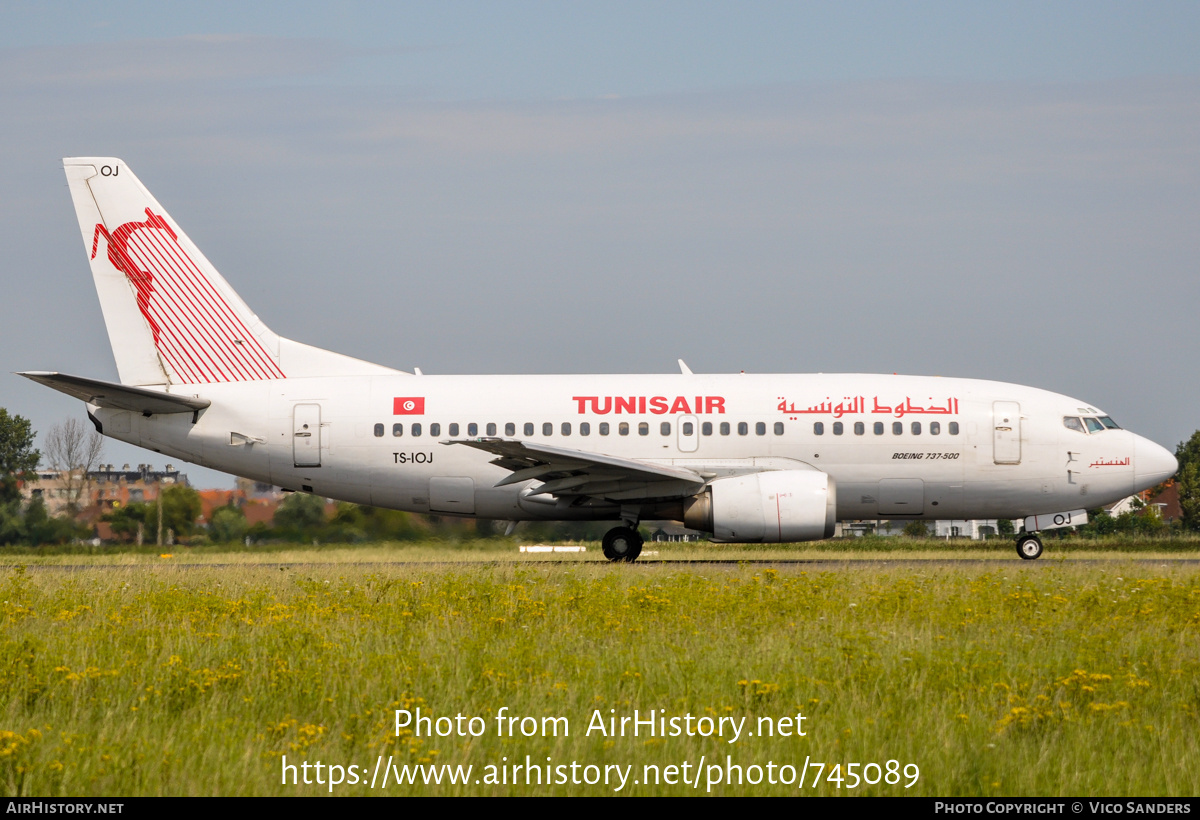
[(171, 317)]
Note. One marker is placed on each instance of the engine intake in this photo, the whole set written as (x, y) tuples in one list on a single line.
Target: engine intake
[(766, 508)]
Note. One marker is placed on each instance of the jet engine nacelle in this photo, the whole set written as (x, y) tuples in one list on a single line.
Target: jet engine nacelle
[(770, 507)]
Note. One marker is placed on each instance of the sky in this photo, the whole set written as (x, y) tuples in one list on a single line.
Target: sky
[(1006, 191)]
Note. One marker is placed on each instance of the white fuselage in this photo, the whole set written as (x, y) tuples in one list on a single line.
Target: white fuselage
[(758, 458), (948, 448)]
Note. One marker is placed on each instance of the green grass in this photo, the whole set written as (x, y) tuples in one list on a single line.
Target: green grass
[(505, 550), (1000, 678)]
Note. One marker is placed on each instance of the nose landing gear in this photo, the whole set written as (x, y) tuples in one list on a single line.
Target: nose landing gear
[(1029, 547), (622, 544)]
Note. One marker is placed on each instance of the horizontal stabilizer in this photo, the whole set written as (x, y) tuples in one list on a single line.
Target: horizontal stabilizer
[(118, 396)]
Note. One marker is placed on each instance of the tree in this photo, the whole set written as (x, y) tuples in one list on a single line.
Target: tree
[(1099, 523), (228, 524), (916, 529), (1188, 479), (18, 459), (301, 516), (1144, 521), (181, 507), (40, 528), (125, 520), (73, 448), (379, 524)]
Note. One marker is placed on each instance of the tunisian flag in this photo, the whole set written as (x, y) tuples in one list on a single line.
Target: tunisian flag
[(408, 406)]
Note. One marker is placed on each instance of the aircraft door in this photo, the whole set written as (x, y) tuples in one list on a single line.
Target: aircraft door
[(689, 434), (306, 435), (1006, 432)]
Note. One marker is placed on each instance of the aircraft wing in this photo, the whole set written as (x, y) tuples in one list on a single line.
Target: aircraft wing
[(118, 396), (568, 473)]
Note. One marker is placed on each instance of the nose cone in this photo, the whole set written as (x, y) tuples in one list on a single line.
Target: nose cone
[(1151, 464)]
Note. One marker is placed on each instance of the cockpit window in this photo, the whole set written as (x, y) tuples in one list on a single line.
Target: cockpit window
[(1109, 423), (1093, 425), (1072, 423)]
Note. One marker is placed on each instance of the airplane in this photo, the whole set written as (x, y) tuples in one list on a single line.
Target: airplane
[(747, 458)]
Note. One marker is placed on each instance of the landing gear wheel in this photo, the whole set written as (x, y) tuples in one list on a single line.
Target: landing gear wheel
[(622, 544), (1029, 547)]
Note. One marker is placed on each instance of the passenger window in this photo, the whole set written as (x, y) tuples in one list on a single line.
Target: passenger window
[(897, 428), (859, 428), (689, 429), (643, 428), (491, 428), (743, 428), (623, 428), (706, 428), (916, 428), (585, 429), (952, 427), (1072, 423), (397, 429), (838, 428), (665, 428), (1109, 423), (760, 428), (529, 428), (379, 430), (1093, 425), (415, 429), (547, 428), (435, 429), (566, 428), (724, 428), (510, 429), (878, 429), (779, 428), (818, 428), (935, 428), (472, 429), (454, 428), (604, 428)]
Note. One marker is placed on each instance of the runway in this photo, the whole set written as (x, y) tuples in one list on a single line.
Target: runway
[(816, 563)]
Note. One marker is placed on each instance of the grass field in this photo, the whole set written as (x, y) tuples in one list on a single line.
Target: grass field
[(505, 550), (1054, 677)]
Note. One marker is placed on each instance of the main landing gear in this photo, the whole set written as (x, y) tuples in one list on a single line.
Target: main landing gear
[(1029, 546), (622, 544)]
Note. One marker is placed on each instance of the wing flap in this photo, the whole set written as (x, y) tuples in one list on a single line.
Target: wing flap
[(568, 473), (117, 396)]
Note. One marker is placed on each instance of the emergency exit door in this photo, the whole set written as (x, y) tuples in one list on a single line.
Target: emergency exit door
[(689, 435), (306, 435), (1006, 432)]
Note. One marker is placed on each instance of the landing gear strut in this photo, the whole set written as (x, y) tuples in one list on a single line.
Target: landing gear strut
[(622, 544), (1029, 547)]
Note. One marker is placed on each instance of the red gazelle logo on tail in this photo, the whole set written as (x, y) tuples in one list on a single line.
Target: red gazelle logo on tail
[(199, 336)]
